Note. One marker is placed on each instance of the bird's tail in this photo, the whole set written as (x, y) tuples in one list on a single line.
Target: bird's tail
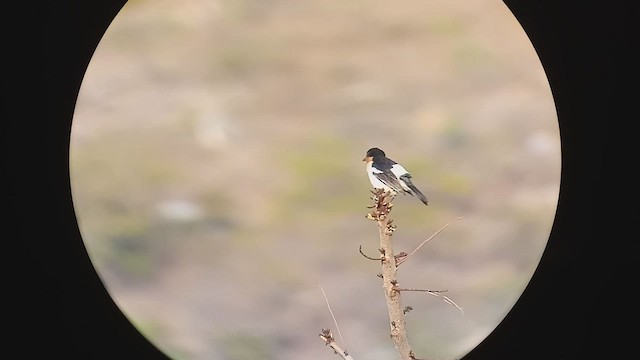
[(415, 190), (420, 195)]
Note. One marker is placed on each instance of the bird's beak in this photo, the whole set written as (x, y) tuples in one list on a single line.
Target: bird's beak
[(367, 158)]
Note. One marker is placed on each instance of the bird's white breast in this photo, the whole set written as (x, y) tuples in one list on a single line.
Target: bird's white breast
[(373, 179)]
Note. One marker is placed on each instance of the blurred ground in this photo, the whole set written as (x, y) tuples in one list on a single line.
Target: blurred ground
[(217, 176)]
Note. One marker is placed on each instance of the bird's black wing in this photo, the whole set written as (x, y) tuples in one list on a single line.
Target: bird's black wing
[(387, 176)]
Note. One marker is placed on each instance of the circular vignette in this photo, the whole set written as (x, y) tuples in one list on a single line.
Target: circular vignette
[(174, 206)]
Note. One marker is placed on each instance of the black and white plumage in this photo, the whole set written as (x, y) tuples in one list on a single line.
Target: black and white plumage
[(387, 174)]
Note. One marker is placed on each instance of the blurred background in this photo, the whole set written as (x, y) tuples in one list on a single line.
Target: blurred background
[(217, 175)]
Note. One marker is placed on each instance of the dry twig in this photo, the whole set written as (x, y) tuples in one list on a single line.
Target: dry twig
[(405, 258), (331, 312), (369, 257), (437, 293), (329, 340)]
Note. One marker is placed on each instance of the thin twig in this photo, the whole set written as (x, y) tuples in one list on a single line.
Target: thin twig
[(400, 261), (368, 257), (331, 312), (328, 339), (451, 302), (437, 293), (423, 290)]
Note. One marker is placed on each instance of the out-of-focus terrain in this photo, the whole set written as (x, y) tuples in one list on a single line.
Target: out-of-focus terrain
[(217, 176)]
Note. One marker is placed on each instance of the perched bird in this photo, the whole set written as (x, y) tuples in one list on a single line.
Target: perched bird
[(387, 174)]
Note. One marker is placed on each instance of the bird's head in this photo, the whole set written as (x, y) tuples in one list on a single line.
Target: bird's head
[(372, 153)]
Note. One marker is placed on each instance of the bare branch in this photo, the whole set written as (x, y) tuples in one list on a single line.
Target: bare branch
[(331, 312), (422, 290), (436, 293), (400, 261), (369, 257), (379, 212), (381, 208), (328, 339), (400, 256)]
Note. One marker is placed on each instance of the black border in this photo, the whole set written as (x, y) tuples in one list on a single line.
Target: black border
[(579, 304)]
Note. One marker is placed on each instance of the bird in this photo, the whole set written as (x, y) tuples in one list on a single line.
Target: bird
[(387, 174)]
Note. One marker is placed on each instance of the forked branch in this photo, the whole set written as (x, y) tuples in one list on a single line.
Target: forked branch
[(382, 205), (438, 294)]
